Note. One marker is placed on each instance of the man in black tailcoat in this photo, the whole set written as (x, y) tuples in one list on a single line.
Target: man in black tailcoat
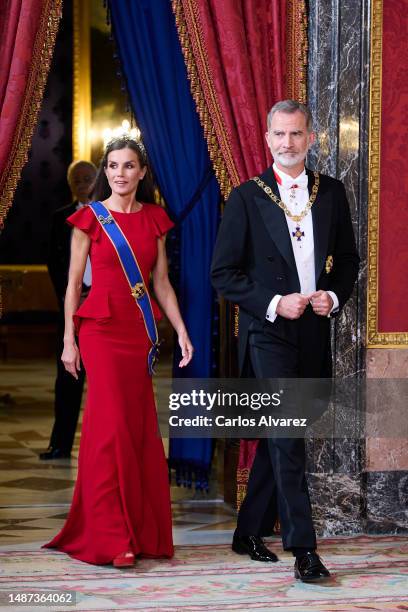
[(68, 390), (286, 255)]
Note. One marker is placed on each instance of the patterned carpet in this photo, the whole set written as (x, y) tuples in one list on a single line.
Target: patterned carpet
[(369, 573)]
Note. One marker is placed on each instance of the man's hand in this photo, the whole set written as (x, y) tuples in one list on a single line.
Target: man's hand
[(321, 302), (292, 306)]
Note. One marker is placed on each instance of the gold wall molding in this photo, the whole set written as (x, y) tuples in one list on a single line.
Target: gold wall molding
[(24, 268), (82, 108), (376, 339)]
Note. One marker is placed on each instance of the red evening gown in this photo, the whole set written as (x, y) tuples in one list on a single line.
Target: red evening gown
[(121, 500)]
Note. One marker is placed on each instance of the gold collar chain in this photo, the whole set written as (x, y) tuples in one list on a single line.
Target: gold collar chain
[(282, 205)]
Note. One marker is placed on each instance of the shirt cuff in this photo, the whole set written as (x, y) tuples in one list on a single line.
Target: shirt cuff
[(271, 312), (335, 306)]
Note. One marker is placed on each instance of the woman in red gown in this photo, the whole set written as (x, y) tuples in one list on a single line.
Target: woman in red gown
[(121, 502)]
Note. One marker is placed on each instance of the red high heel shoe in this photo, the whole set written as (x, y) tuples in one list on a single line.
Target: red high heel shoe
[(125, 559)]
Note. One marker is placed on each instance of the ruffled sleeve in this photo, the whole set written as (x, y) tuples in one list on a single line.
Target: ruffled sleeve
[(85, 220), (161, 221)]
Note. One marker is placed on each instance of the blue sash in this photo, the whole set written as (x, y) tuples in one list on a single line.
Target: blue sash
[(133, 275)]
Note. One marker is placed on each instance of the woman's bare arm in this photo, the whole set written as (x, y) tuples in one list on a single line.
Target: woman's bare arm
[(168, 301), (80, 244)]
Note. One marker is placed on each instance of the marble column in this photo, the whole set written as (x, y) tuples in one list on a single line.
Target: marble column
[(338, 95)]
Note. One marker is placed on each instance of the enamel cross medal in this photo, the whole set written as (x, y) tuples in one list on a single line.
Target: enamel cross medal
[(298, 234)]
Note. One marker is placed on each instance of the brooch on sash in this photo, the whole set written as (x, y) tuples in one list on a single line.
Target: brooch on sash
[(103, 220), (329, 264), (138, 291)]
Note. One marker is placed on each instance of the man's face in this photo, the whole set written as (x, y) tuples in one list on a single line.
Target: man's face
[(288, 138), (81, 181)]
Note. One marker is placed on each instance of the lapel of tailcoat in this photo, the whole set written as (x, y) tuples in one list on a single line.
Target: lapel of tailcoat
[(274, 218)]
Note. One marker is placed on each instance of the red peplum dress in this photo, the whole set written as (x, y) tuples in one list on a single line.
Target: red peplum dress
[(121, 499)]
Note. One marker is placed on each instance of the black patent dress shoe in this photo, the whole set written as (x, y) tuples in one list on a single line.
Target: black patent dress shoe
[(54, 453), (309, 568), (254, 547)]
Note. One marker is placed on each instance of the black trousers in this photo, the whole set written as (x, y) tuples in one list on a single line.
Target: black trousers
[(67, 404), (277, 483)]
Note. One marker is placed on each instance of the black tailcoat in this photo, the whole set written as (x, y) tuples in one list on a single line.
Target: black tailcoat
[(59, 250), (68, 390), (253, 259)]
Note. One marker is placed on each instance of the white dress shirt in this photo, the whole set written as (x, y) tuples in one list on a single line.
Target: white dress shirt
[(295, 194)]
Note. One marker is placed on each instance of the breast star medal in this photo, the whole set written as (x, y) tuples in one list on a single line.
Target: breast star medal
[(329, 264)]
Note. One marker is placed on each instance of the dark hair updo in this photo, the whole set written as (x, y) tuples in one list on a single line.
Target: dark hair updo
[(146, 187)]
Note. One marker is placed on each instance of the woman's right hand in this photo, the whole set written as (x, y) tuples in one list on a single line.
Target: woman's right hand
[(71, 358)]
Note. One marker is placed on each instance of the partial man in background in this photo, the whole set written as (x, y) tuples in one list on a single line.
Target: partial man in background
[(68, 391)]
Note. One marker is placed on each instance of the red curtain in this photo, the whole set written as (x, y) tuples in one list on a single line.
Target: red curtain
[(244, 42), (27, 34), (242, 57), (239, 71)]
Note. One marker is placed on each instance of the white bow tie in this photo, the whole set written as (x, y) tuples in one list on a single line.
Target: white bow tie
[(287, 182)]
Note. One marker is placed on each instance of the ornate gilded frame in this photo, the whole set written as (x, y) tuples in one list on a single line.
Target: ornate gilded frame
[(82, 105), (376, 339)]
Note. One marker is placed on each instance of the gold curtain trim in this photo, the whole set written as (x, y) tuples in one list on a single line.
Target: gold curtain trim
[(296, 50), (242, 481), (201, 82), (40, 64), (187, 13), (376, 339)]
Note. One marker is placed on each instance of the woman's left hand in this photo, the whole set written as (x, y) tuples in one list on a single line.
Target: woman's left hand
[(187, 349)]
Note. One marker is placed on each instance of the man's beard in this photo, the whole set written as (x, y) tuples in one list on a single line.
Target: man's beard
[(288, 160)]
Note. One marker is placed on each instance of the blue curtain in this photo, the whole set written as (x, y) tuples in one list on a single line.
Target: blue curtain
[(159, 91)]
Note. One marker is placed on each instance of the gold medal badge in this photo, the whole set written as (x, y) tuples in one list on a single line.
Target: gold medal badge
[(138, 291), (329, 264)]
